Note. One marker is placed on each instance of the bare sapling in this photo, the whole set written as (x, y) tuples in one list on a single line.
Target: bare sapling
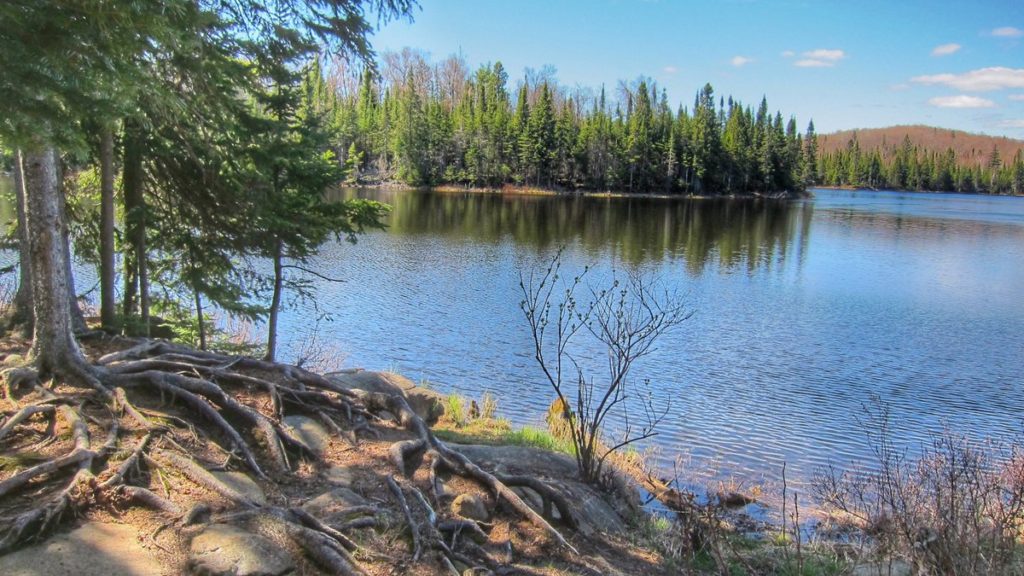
[(624, 320)]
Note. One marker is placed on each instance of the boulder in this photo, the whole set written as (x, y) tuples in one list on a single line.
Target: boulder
[(471, 507), (309, 432), (428, 404), (595, 511), (242, 484), (93, 549), (224, 550)]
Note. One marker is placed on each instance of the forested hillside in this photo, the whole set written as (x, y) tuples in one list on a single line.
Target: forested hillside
[(922, 158), (428, 124)]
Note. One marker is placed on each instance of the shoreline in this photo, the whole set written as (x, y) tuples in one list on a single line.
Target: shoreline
[(515, 190)]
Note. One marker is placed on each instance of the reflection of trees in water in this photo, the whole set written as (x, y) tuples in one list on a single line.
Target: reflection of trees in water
[(893, 225), (753, 232)]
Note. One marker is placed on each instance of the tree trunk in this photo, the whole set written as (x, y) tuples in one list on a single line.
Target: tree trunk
[(54, 348), (135, 228), (22, 315), (199, 317), (78, 325), (108, 314), (275, 303)]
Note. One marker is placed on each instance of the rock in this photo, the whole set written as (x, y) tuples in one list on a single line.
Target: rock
[(734, 499), (471, 507), (530, 497), (426, 403), (241, 482), (340, 475), (592, 510), (224, 550), (330, 506), (93, 549), (309, 432)]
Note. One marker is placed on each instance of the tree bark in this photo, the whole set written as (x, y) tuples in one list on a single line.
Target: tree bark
[(135, 220), (108, 313), (199, 318), (275, 302), (22, 315), (77, 318), (54, 348)]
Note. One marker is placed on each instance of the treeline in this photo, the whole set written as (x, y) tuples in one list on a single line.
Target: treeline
[(424, 124), (909, 166)]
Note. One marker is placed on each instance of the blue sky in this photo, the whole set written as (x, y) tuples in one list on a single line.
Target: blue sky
[(844, 63)]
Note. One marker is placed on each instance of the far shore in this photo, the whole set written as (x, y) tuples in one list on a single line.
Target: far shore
[(517, 190)]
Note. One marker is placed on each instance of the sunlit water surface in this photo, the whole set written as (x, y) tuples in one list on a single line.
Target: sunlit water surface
[(804, 311)]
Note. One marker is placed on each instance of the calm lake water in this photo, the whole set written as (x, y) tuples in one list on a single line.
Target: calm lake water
[(803, 312)]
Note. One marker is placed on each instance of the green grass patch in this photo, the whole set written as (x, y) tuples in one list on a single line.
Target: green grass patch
[(499, 432)]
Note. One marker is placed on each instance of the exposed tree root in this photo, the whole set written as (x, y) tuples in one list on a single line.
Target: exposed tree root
[(150, 401), (457, 462)]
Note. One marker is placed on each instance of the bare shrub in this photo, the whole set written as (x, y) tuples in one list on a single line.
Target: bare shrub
[(624, 319), (956, 509)]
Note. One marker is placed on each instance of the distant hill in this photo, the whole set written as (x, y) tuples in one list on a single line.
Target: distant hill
[(971, 149)]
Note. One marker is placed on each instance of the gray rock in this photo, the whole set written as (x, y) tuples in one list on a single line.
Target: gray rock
[(241, 482), (309, 432), (340, 475), (426, 403), (470, 506), (224, 550), (330, 506), (94, 549), (593, 512)]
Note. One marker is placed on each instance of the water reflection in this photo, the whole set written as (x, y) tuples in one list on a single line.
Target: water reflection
[(731, 233)]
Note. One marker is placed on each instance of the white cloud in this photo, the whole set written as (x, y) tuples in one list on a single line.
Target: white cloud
[(670, 69), (946, 49), (981, 80), (1008, 32), (1012, 123), (961, 101), (811, 63), (825, 54), (738, 61), (820, 58), (788, 54), (1016, 97)]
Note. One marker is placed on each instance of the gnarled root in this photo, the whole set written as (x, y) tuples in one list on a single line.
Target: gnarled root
[(459, 463)]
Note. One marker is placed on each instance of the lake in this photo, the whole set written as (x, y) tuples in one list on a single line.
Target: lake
[(804, 311)]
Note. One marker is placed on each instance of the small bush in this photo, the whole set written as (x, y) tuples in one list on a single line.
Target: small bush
[(956, 509)]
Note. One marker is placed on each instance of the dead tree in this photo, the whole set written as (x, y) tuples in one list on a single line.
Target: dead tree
[(624, 320)]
